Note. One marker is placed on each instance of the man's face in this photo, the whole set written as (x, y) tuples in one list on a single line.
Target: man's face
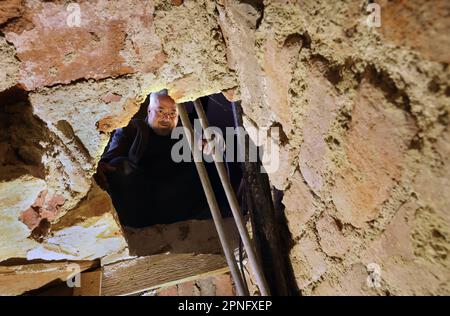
[(163, 115)]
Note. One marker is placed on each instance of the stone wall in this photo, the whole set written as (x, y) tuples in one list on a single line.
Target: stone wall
[(363, 113), (66, 83)]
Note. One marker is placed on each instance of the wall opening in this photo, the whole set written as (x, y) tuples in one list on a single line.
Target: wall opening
[(160, 202)]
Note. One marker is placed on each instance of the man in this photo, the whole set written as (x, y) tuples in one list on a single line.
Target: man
[(146, 186)]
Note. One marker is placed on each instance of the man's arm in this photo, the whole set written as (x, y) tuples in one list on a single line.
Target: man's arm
[(118, 146)]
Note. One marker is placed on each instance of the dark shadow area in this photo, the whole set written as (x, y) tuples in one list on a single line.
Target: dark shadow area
[(20, 134)]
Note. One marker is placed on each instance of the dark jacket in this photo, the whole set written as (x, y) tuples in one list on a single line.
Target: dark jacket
[(130, 141)]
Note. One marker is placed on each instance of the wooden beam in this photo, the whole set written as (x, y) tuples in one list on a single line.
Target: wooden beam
[(18, 279), (146, 273)]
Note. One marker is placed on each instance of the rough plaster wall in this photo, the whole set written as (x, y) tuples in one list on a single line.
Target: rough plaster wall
[(64, 88), (364, 114)]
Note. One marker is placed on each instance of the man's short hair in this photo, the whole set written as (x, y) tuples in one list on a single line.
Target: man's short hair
[(154, 95)]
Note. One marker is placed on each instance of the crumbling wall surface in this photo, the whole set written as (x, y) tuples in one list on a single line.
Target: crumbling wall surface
[(362, 113), (70, 73), (364, 118)]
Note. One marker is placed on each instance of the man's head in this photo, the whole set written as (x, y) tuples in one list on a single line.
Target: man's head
[(162, 113)]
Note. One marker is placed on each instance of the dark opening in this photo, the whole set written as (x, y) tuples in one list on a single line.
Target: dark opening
[(157, 190)]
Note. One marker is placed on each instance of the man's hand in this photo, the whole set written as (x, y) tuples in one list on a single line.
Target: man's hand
[(208, 147), (100, 177)]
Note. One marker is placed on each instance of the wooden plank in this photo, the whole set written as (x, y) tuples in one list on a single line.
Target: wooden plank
[(90, 284), (16, 280), (57, 290), (146, 273)]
